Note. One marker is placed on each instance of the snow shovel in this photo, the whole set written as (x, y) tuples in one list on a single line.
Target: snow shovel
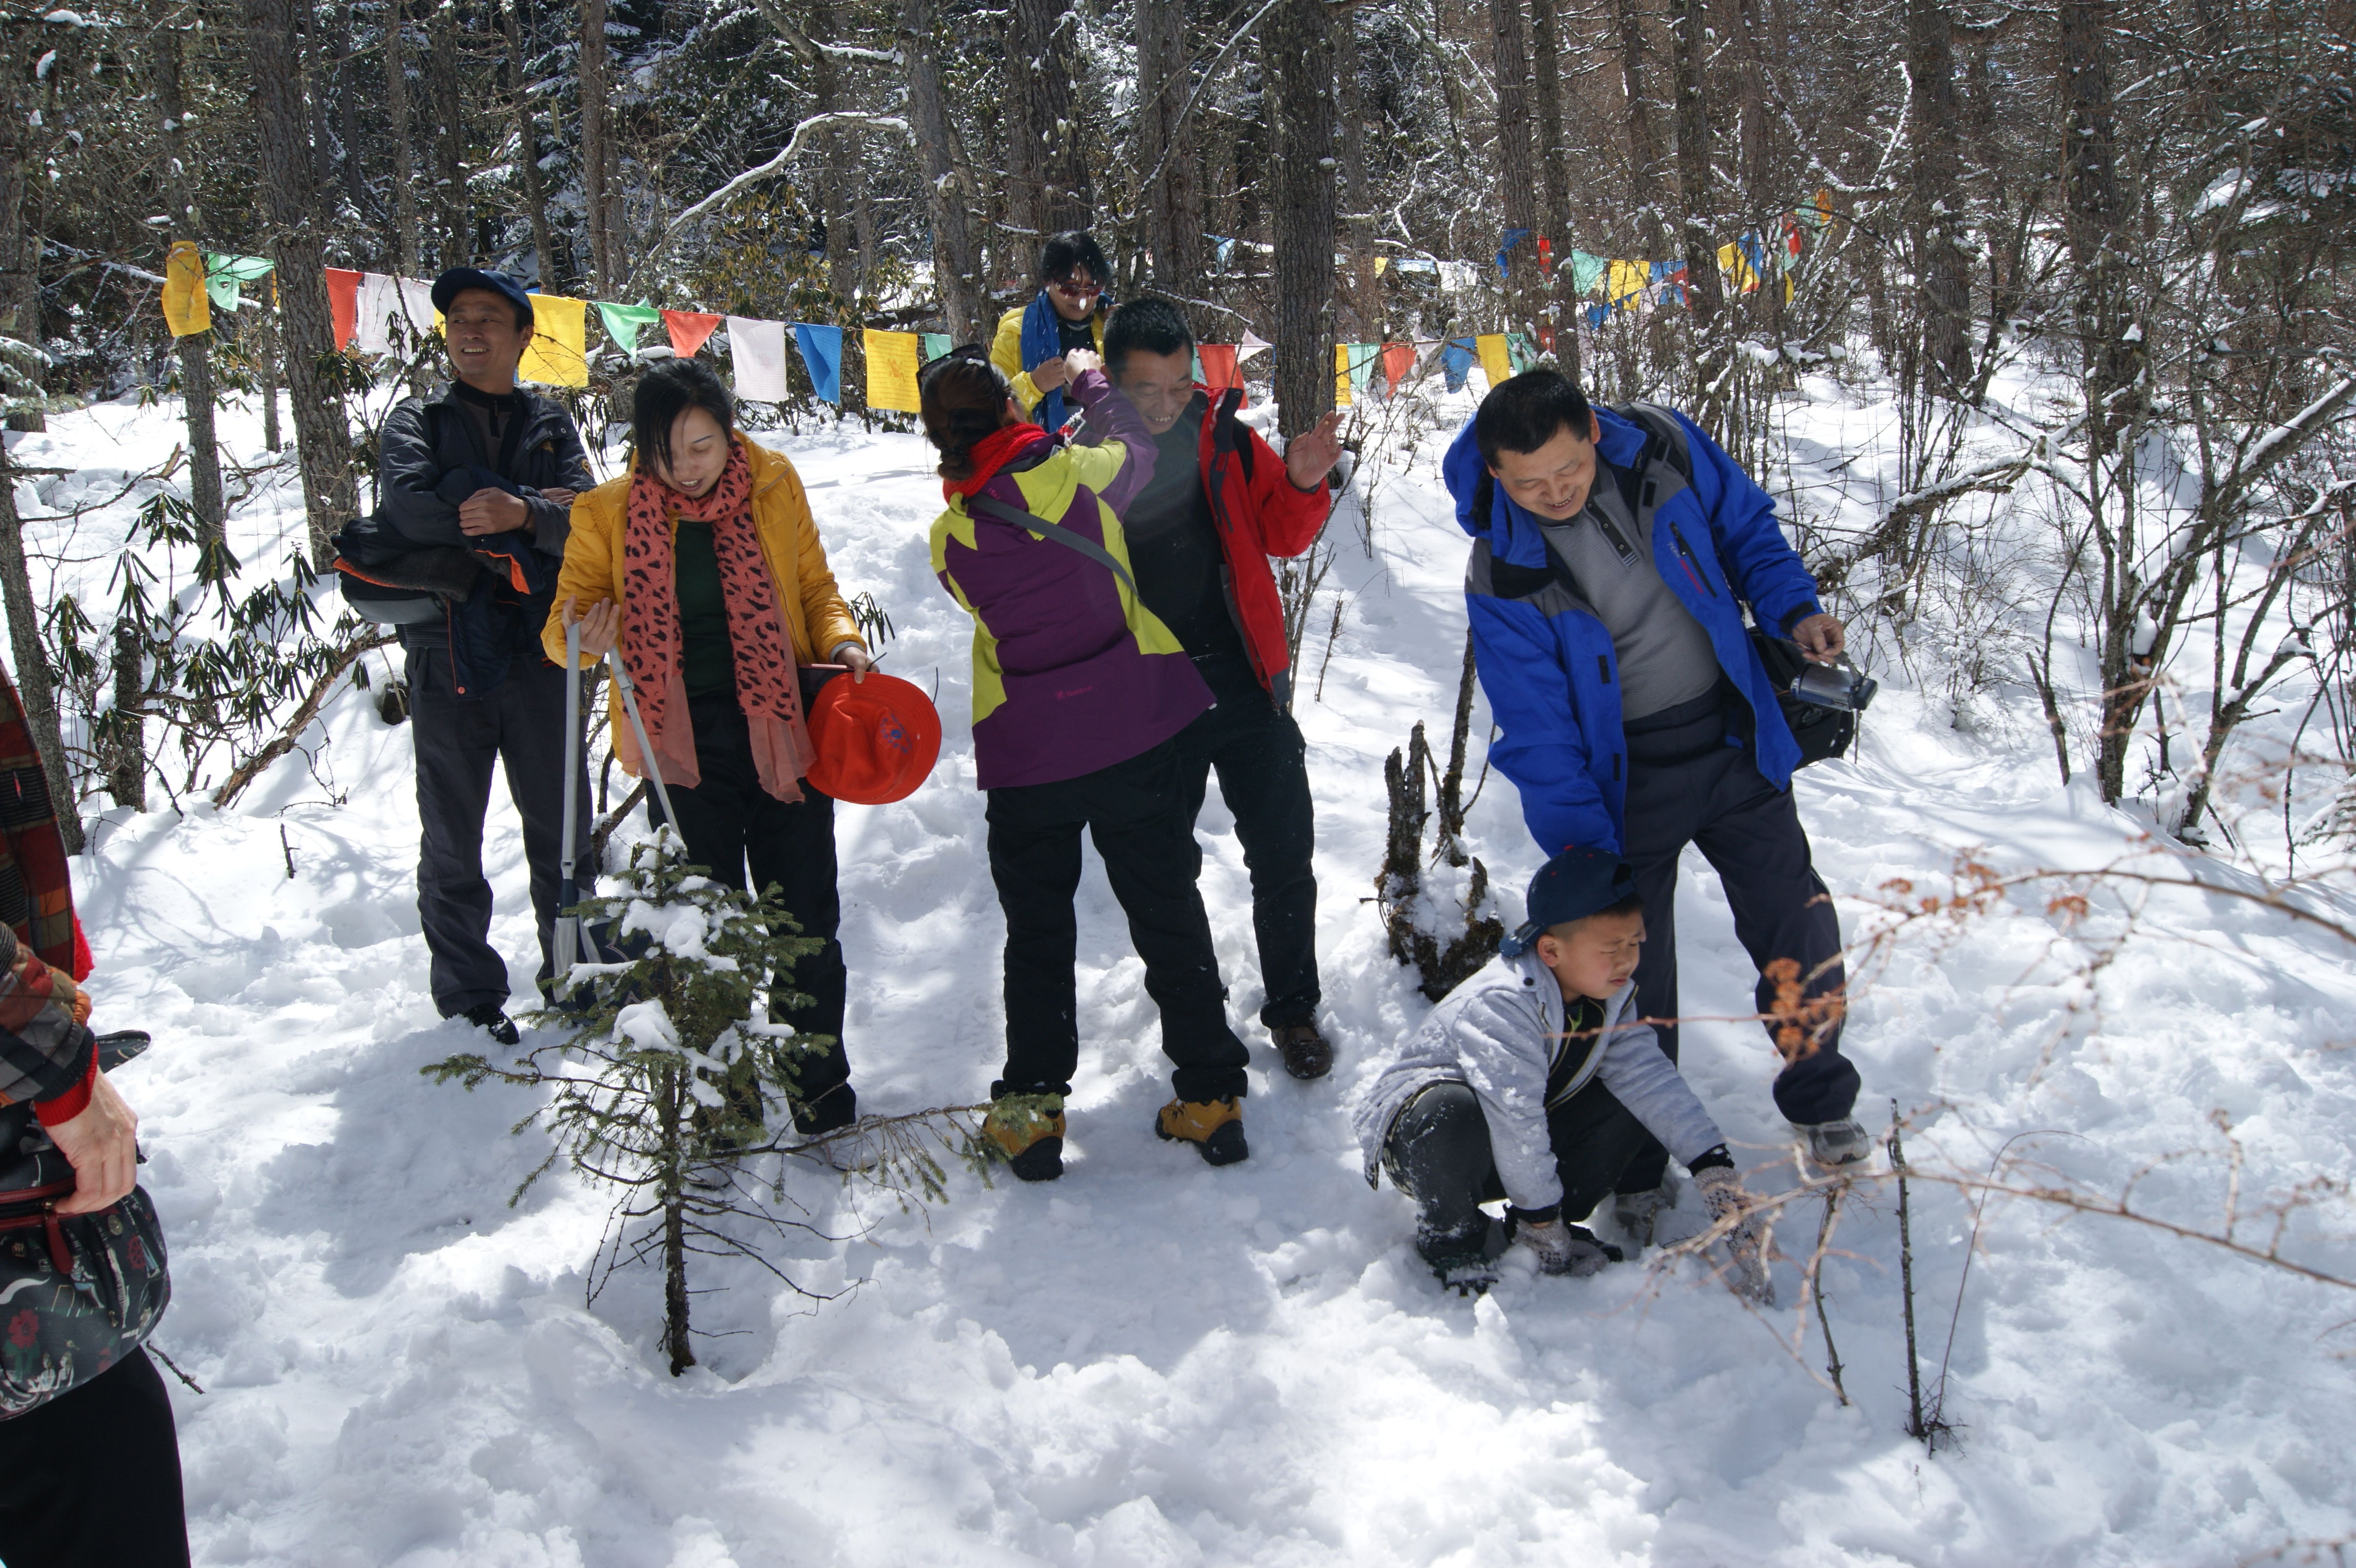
[(646, 748), (568, 924)]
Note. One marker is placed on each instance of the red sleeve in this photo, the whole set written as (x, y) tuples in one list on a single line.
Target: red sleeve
[(1288, 517), (82, 962), (73, 1101)]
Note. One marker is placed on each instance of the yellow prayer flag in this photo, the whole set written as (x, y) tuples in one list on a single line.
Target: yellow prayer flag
[(1381, 264), (558, 354), (1738, 269), (185, 310), (1625, 283), (892, 369), (1496, 357), (1340, 375)]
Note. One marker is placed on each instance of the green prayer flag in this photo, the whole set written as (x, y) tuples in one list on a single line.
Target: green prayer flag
[(934, 345), (223, 273), (1362, 364), (1586, 272), (622, 323), (1521, 351)]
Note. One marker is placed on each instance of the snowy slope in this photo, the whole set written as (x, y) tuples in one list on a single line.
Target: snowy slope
[(1154, 1363)]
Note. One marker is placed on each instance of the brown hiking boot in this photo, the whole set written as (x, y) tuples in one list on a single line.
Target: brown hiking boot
[(1307, 1053), (1028, 1129), (1215, 1127)]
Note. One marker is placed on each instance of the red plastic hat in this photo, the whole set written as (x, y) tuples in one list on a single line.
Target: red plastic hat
[(876, 739)]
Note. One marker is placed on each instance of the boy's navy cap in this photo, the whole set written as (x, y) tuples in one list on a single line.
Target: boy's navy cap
[(1572, 886), (457, 280)]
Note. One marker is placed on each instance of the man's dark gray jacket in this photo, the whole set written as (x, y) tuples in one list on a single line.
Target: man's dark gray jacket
[(430, 458)]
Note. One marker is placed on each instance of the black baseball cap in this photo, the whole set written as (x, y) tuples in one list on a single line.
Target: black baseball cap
[(1572, 886), (457, 280)]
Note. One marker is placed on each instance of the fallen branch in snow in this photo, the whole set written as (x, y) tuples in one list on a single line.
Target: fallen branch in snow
[(254, 767)]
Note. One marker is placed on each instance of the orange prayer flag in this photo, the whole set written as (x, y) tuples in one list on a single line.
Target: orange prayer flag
[(344, 305), (1399, 360), (1220, 371), (688, 329)]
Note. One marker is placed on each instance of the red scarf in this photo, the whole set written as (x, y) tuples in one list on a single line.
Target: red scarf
[(993, 452), (767, 687)]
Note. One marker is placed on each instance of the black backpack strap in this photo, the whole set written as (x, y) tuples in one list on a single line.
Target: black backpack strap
[(1228, 433), (990, 507)]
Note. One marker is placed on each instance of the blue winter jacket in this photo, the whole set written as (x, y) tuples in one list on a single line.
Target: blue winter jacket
[(1547, 663)]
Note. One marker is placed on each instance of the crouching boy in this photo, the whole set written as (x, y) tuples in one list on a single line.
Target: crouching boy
[(1531, 1082)]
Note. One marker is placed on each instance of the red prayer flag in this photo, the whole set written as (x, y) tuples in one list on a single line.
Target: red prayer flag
[(344, 305), (688, 329), (1398, 358), (1220, 371)]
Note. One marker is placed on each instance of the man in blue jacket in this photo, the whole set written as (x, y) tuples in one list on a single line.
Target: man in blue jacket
[(1611, 559)]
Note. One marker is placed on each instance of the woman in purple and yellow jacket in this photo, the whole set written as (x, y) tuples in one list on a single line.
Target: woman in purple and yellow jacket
[(1078, 690)]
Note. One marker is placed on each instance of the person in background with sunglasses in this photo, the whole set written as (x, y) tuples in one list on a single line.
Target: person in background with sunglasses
[(1067, 313)]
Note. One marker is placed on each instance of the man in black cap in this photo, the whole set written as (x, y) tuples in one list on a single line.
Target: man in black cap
[(487, 467), (1533, 1081)]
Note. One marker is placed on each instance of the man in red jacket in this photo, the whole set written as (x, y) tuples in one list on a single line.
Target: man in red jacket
[(1219, 504)]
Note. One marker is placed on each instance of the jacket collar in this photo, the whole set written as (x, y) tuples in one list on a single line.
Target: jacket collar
[(1513, 534)]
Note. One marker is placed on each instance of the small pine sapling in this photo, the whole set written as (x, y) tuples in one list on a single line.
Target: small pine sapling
[(670, 1068)]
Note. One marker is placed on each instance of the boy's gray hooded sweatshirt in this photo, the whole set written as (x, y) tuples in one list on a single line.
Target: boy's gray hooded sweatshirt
[(1499, 1033)]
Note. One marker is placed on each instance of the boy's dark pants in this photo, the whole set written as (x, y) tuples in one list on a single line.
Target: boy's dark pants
[(1687, 784), (1438, 1154), (1134, 812), (1264, 778), (91, 1479), (729, 822)]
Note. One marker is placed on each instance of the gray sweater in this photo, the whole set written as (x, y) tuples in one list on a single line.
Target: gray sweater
[(1498, 1033)]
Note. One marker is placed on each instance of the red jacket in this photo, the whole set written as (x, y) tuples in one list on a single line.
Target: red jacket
[(1258, 513)]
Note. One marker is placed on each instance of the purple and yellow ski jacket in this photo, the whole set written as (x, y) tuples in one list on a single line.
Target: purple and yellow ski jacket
[(1071, 673)]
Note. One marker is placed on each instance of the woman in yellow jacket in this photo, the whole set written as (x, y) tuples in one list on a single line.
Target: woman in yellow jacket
[(1067, 313), (702, 570)]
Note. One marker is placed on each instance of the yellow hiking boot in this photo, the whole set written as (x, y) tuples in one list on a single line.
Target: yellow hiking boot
[(1028, 1129), (1215, 1127)]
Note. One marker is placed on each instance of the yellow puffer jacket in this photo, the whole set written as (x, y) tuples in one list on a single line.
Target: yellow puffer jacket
[(816, 617), (1006, 353)]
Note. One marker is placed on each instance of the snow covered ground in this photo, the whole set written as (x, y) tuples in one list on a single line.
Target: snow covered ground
[(1154, 1363)]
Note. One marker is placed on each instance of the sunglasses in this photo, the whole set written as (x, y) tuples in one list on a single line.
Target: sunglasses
[(1071, 290)]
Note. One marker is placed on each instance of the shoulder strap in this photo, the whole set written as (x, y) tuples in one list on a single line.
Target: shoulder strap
[(990, 507), (1662, 426), (1230, 430)]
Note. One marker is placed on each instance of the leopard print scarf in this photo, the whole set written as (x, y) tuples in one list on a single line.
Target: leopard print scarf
[(768, 686)]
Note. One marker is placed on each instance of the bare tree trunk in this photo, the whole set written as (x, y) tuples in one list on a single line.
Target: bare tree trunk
[(839, 176), (268, 351), (126, 725), (34, 683), (1643, 136), (595, 130), (1517, 180), (957, 258), (396, 109), (196, 395), (1935, 204), (322, 436), (1366, 288), (1299, 47), (1046, 64), (1165, 142), (1694, 195), (452, 207), (1553, 222), (535, 193), (20, 252)]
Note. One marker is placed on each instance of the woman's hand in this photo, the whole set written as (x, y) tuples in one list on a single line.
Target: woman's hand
[(855, 659), (600, 628), (1078, 362), (103, 1146), (1049, 374)]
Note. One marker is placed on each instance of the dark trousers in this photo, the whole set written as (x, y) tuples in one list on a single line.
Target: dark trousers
[(519, 726), (91, 1479), (1134, 812), (730, 823), (1439, 1154), (1264, 778), (1686, 785)]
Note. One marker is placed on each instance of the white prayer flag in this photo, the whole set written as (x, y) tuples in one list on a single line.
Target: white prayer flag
[(1252, 344), (759, 348), (383, 305)]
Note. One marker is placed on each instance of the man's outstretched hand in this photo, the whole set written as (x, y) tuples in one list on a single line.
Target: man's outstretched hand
[(1313, 452), (1821, 637)]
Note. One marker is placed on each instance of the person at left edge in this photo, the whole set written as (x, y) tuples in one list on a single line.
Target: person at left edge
[(703, 570), (1200, 535), (487, 467)]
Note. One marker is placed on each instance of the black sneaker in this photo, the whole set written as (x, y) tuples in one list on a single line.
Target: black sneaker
[(834, 1109), (493, 1020)]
